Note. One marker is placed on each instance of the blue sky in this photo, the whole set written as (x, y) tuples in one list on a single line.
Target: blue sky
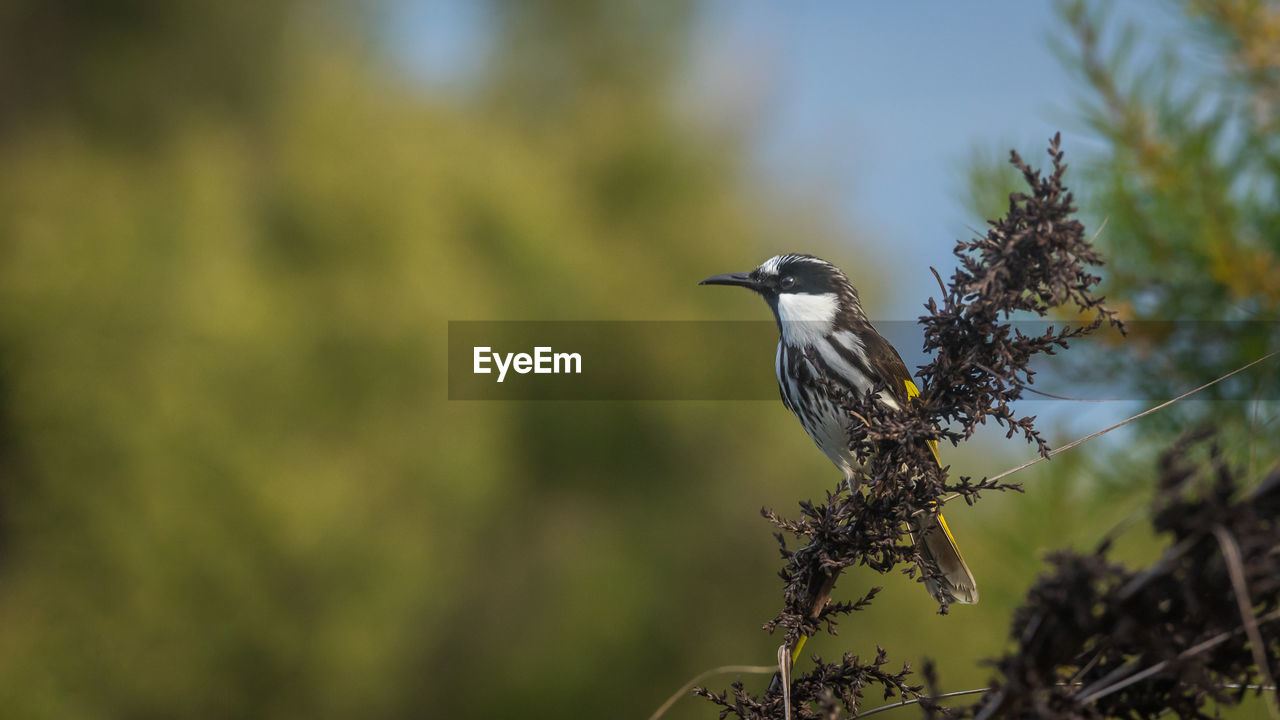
[(884, 103), (875, 106)]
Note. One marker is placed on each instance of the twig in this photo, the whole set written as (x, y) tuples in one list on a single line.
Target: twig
[(1235, 567), (684, 689), (1028, 388), (784, 669)]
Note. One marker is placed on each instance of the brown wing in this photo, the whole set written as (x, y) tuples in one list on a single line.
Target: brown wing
[(886, 361), (887, 364)]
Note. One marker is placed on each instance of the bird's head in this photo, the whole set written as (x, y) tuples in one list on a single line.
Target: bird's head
[(810, 297)]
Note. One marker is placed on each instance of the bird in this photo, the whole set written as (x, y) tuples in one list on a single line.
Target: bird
[(824, 333)]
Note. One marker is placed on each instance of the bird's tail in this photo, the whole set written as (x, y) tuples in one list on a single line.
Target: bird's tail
[(937, 544)]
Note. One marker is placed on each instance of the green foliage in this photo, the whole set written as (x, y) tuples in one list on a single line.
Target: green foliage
[(1182, 197), (232, 483), (987, 181), (132, 68), (1187, 187)]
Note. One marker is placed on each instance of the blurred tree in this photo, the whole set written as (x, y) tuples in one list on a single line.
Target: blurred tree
[(232, 485), (1187, 188), (132, 68)]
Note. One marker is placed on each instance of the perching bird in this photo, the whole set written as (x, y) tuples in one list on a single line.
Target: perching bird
[(825, 333)]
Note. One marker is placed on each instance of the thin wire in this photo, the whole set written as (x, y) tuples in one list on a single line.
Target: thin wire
[(1122, 423), (913, 701)]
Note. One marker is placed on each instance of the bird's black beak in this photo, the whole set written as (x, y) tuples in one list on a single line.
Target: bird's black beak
[(739, 279)]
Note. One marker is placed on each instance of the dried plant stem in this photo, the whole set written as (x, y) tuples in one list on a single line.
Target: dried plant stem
[(1235, 567), (723, 669), (818, 601), (784, 672)]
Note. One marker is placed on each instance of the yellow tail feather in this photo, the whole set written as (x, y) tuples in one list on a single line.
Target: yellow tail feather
[(948, 554)]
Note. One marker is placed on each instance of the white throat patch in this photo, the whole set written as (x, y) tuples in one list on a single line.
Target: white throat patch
[(806, 319)]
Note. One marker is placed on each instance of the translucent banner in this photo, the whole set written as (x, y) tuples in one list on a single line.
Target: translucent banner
[(717, 360)]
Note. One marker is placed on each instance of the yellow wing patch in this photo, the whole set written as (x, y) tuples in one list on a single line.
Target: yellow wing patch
[(912, 393)]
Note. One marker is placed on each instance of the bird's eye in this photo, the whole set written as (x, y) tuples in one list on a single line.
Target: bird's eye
[(787, 283)]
